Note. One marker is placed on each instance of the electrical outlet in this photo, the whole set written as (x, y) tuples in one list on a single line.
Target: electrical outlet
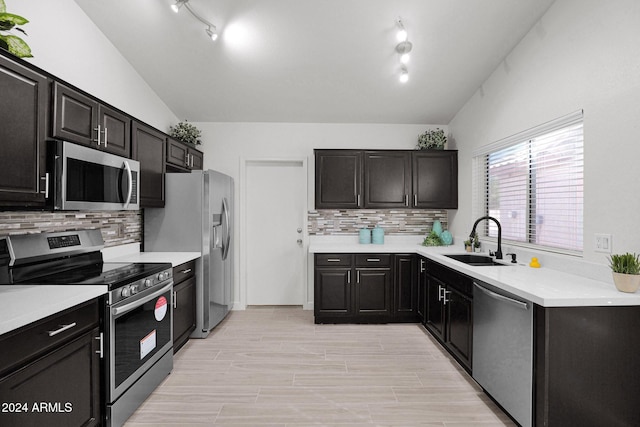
[(603, 243)]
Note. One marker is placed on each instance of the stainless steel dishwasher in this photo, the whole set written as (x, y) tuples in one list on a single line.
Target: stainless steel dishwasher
[(503, 349)]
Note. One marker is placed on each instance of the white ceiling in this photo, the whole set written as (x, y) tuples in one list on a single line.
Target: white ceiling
[(315, 61)]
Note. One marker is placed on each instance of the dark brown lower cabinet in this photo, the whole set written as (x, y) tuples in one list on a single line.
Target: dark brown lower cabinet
[(449, 310), (405, 288), (586, 366), (53, 380), (184, 303)]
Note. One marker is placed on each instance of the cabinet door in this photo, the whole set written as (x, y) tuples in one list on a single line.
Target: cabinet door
[(116, 131), (373, 291), (332, 292), (435, 311), (23, 114), (197, 159), (405, 288), (148, 147), (435, 179), (75, 116), (338, 179), (387, 179), (184, 312), (176, 153), (459, 329), (65, 381), (422, 291)]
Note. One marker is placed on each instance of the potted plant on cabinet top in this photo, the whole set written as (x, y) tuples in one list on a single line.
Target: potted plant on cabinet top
[(432, 139), (626, 271), (186, 132), (10, 42)]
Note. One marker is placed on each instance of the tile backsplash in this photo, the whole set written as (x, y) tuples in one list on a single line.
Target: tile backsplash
[(118, 227), (394, 221)]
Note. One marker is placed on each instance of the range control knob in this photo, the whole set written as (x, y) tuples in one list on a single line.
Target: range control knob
[(160, 276), (134, 289), (148, 283), (125, 292)]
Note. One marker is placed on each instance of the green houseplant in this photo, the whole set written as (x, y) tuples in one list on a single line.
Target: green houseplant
[(626, 271), (10, 22), (432, 139), (186, 132)]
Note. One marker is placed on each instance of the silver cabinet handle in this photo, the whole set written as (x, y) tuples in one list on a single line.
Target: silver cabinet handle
[(174, 294), (445, 300), (188, 270), (406, 200), (373, 259), (97, 129), (421, 266), (105, 137), (415, 200), (61, 329), (494, 295), (349, 277), (358, 276), (358, 200), (45, 178), (440, 289), (101, 351), (333, 260), (186, 159)]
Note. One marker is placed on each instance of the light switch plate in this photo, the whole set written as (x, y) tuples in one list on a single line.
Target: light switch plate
[(603, 243)]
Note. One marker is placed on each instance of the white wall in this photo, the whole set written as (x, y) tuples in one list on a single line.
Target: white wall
[(583, 54), (66, 43)]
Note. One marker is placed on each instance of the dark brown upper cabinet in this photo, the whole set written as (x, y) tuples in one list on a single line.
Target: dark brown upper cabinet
[(387, 179), (338, 179), (83, 120), (182, 158), (435, 179), (148, 147), (351, 179), (24, 107)]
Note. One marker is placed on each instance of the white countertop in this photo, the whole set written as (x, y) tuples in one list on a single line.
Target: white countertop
[(24, 304), (544, 286), (131, 253)]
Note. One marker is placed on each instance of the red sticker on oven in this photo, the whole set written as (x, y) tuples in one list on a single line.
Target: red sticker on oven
[(161, 308)]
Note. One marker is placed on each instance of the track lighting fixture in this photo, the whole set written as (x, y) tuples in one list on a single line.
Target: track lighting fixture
[(403, 48), (210, 30)]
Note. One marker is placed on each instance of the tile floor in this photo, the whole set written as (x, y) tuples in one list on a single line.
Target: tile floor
[(273, 367)]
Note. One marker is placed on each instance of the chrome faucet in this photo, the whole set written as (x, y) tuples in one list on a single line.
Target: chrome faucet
[(473, 233)]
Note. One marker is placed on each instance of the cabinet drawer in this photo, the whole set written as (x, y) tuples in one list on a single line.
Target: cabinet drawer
[(332, 260), (373, 260), (184, 271), (30, 341)]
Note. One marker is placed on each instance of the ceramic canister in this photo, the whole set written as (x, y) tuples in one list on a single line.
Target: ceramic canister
[(377, 236), (365, 236)]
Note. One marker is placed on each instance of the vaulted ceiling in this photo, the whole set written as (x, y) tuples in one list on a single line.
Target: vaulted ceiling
[(315, 61)]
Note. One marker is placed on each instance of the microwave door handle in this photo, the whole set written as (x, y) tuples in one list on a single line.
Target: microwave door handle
[(130, 187)]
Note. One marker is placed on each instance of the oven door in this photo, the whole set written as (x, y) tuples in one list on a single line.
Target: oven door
[(139, 333), (88, 179)]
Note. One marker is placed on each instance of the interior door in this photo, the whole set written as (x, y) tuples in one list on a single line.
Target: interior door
[(275, 226)]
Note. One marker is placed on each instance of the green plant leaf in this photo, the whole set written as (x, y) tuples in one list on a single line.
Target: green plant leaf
[(16, 46), (10, 18), (3, 7)]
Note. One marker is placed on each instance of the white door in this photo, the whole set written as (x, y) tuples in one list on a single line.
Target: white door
[(276, 198)]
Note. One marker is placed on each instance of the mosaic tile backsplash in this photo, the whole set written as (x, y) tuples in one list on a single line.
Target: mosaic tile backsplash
[(118, 228), (394, 221)]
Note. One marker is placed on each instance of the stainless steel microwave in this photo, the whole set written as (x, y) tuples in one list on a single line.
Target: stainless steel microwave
[(82, 178)]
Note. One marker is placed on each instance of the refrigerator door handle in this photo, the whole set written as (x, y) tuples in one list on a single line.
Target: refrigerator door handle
[(227, 237)]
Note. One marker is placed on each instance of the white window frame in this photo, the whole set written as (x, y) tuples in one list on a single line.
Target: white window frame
[(480, 190)]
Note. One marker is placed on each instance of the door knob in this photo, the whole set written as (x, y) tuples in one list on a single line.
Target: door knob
[(299, 241), (299, 230)]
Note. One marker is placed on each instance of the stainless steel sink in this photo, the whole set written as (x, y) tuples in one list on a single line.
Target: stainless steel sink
[(476, 260)]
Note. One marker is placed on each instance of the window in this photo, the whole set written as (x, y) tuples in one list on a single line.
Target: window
[(533, 184)]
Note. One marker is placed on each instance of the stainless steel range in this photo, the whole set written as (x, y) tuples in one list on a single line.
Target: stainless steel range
[(137, 318)]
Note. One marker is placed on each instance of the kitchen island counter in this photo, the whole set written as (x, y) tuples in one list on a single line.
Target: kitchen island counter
[(543, 286)]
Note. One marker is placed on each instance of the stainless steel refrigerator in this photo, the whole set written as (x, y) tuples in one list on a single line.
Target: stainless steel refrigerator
[(198, 217)]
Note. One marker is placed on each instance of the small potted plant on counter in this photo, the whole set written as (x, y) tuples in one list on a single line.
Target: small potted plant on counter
[(626, 271), (468, 245), (476, 243)]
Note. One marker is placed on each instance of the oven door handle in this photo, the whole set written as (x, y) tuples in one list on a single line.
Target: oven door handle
[(116, 311)]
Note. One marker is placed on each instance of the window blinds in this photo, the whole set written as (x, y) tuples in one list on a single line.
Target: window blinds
[(533, 183)]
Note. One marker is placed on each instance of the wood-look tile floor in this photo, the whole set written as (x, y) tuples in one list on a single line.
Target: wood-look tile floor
[(273, 366)]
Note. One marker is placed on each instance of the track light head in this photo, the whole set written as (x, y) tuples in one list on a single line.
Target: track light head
[(404, 75), (212, 33), (177, 5), (401, 35)]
